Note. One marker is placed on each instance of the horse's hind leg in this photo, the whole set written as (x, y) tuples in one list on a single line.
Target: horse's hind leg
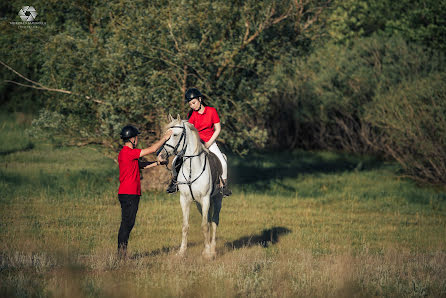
[(215, 220), (205, 227), (185, 207), (213, 242)]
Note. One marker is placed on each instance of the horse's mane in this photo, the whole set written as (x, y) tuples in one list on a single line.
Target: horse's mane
[(193, 130)]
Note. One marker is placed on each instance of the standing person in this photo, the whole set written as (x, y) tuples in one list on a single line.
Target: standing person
[(129, 181), (205, 119)]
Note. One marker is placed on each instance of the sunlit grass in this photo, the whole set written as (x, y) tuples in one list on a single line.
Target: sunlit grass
[(298, 224)]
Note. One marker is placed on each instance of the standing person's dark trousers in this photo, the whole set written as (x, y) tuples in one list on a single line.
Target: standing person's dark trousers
[(129, 207)]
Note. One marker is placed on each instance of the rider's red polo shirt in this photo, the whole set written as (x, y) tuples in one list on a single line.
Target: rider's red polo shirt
[(129, 179), (204, 123)]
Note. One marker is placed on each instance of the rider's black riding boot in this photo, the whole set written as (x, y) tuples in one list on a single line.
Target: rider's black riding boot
[(173, 187), (226, 191)]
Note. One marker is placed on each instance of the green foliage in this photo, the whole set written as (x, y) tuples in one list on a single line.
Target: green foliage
[(130, 62), (412, 116), (334, 92), (282, 74), (422, 22), (18, 48), (330, 91)]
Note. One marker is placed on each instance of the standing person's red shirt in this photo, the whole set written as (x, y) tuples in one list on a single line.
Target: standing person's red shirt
[(204, 123), (129, 178)]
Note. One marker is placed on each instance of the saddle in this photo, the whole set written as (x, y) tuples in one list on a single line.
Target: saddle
[(216, 172)]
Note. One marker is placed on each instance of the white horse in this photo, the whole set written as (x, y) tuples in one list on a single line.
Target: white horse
[(195, 182)]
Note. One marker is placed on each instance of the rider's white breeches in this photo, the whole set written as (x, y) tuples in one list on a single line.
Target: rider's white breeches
[(214, 149)]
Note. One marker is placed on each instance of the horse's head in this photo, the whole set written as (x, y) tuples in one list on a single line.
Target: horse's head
[(176, 144), (183, 135)]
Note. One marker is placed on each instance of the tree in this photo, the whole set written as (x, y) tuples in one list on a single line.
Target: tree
[(331, 91), (130, 61), (422, 22)]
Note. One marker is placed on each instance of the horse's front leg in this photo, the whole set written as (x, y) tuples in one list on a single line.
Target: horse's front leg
[(205, 227), (185, 207)]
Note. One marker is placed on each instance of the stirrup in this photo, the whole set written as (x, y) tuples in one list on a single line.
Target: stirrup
[(225, 191), (172, 188)]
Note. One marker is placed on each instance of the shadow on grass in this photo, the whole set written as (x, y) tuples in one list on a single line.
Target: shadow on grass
[(264, 239), (258, 171), (160, 251), (28, 147)]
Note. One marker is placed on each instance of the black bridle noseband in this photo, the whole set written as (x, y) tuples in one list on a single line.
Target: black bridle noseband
[(175, 152), (185, 157)]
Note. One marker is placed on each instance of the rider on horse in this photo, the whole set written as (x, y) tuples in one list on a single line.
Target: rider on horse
[(205, 119)]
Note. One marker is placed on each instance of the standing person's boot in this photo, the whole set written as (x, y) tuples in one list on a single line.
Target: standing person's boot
[(173, 187), (226, 191), (122, 252)]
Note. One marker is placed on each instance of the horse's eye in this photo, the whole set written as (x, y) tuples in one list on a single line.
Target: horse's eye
[(175, 135)]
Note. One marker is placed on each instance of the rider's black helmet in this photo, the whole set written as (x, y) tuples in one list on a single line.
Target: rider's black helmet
[(128, 132), (192, 93)]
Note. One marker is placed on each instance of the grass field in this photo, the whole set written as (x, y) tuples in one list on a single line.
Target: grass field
[(299, 224)]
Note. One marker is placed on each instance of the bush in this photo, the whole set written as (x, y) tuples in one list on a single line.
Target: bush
[(331, 91), (380, 96), (412, 117)]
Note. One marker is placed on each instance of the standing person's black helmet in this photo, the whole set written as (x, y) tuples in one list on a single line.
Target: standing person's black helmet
[(128, 132), (192, 93)]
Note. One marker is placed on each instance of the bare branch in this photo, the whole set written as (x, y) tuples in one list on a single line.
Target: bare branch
[(184, 86), (245, 38), (282, 17), (316, 15), (268, 22), (19, 74), (169, 23), (39, 86)]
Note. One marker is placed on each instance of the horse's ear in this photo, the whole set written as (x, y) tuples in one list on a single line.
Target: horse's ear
[(170, 118), (178, 117)]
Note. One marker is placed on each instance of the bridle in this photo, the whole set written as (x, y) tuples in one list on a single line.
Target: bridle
[(175, 149), (180, 154)]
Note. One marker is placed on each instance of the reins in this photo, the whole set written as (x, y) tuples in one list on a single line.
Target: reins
[(175, 152), (189, 181)]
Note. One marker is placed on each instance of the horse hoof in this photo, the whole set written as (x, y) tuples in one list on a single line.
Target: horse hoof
[(181, 253), (208, 255)]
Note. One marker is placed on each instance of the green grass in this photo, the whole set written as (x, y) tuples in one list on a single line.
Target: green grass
[(298, 224)]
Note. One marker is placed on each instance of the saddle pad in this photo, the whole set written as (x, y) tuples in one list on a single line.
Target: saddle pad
[(216, 172)]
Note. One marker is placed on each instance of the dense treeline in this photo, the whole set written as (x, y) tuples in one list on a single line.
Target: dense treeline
[(358, 76), (378, 96)]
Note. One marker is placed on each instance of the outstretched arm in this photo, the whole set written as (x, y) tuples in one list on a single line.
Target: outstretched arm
[(157, 145)]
